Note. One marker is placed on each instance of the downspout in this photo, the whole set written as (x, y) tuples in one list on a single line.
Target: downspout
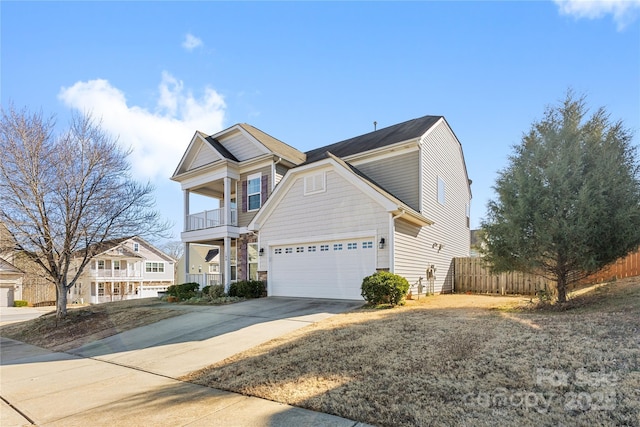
[(392, 232)]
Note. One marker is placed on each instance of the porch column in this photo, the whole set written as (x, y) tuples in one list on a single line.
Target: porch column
[(227, 263), (227, 201), (186, 210), (186, 262)]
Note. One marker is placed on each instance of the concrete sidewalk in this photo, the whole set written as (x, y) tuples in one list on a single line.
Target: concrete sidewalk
[(129, 379)]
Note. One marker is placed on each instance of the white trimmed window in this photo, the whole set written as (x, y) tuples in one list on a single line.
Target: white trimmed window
[(300, 249), (154, 267), (468, 212), (101, 264), (441, 191), (288, 250), (311, 249), (337, 247), (324, 248), (278, 251), (351, 246), (116, 265), (367, 245), (136, 247), (253, 192), (100, 289), (315, 183)]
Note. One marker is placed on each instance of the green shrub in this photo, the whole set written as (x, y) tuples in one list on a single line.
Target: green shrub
[(248, 289), (20, 303), (384, 288), (215, 291), (183, 291)]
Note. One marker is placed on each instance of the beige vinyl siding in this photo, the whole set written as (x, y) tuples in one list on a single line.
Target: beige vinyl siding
[(203, 156), (280, 171), (442, 158), (413, 250), (398, 174), (240, 146), (244, 218), (341, 210)]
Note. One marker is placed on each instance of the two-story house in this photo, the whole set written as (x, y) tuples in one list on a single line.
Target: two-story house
[(122, 269), (314, 224)]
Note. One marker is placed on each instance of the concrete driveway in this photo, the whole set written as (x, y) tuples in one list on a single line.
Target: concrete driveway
[(131, 378), (208, 334)]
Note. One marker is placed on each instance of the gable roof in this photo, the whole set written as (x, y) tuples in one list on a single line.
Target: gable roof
[(107, 245), (359, 179), (218, 147), (275, 145), (377, 139), (6, 266)]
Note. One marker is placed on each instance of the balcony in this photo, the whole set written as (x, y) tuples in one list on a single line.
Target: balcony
[(210, 219), (116, 274)]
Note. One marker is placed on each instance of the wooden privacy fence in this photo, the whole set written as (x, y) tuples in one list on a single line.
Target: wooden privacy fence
[(628, 266), (472, 275)]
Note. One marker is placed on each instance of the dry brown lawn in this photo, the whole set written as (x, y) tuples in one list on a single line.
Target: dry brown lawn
[(89, 323), (457, 360)]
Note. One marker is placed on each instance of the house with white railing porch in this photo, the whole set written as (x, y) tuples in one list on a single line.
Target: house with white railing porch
[(123, 269), (236, 170)]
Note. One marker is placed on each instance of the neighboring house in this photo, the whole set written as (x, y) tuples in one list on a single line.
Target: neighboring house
[(315, 224), (122, 269), (10, 276), (204, 260), (10, 283)]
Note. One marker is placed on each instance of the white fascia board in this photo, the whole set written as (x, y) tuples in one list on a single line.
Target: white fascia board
[(197, 139), (444, 122), (281, 190), (431, 129), (208, 173), (252, 164), (384, 152), (257, 143), (225, 132)]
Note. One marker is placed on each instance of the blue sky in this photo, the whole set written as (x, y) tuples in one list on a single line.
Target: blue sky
[(311, 74)]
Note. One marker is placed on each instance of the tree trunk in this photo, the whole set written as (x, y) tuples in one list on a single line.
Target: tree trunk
[(562, 288), (61, 301)]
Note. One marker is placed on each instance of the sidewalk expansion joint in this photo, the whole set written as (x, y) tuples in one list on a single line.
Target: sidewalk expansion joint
[(22, 414)]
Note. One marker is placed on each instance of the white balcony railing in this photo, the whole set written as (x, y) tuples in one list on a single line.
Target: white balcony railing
[(210, 219), (121, 274)]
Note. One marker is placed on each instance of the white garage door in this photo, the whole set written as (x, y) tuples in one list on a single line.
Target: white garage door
[(323, 269), (6, 297)]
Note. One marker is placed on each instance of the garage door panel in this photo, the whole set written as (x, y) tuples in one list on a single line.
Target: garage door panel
[(332, 269)]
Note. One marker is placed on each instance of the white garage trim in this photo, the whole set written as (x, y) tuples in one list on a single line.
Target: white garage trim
[(322, 268), (336, 236)]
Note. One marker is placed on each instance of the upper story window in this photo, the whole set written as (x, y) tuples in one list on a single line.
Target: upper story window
[(136, 247), (468, 212), (154, 267), (441, 191), (100, 264), (253, 192), (314, 183)]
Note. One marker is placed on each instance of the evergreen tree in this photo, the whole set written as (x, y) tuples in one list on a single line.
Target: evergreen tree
[(568, 203)]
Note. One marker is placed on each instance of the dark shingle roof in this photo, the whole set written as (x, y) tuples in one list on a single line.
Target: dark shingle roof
[(376, 139), (220, 148)]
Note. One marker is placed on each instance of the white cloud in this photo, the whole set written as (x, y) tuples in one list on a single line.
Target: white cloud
[(624, 12), (191, 42), (158, 138)]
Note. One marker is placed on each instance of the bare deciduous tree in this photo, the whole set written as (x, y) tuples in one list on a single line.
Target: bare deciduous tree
[(61, 194)]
